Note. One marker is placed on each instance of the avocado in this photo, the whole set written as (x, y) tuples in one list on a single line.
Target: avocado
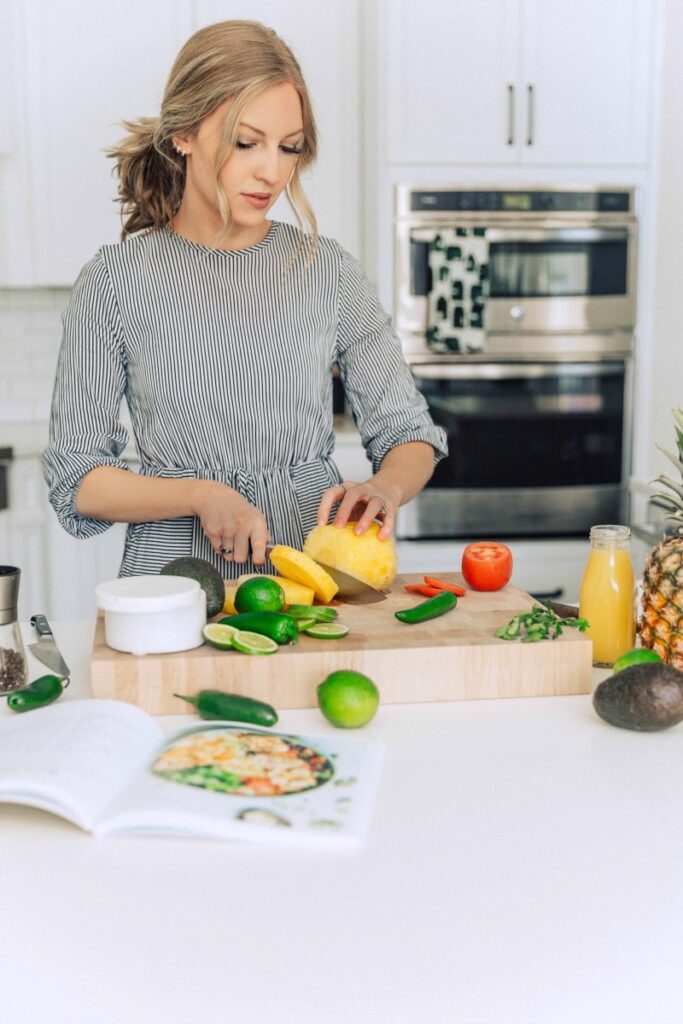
[(646, 697), (205, 574)]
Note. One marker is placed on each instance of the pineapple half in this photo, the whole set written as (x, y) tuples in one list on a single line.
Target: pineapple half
[(661, 622)]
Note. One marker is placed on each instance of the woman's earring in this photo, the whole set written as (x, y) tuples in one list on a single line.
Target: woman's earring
[(179, 150)]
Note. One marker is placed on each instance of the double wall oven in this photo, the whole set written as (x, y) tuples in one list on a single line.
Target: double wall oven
[(516, 311)]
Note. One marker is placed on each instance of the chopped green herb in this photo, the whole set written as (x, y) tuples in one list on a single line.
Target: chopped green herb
[(539, 624)]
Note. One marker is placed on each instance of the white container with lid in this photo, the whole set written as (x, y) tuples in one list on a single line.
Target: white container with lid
[(152, 614)]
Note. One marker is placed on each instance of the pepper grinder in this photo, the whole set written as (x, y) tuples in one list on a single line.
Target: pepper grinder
[(13, 666)]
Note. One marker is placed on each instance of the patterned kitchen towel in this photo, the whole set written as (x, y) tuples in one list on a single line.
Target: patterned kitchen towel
[(459, 262)]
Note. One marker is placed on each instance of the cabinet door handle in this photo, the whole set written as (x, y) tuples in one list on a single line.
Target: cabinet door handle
[(530, 115), (511, 115)]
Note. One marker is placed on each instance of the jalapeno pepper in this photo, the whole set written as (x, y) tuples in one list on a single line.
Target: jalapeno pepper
[(429, 609), (37, 694), (231, 707)]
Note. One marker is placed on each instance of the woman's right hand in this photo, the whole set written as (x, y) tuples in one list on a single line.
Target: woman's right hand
[(230, 522)]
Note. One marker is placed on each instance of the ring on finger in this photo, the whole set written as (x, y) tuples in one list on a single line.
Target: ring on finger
[(225, 550), (379, 497)]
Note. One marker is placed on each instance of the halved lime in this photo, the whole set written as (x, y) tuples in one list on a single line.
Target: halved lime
[(219, 636), (253, 643), (302, 624), (327, 630)]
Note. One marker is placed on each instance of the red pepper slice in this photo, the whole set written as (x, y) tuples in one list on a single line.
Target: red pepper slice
[(422, 588), (434, 581)]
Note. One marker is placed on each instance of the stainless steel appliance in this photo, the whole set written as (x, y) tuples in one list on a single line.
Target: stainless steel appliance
[(516, 311)]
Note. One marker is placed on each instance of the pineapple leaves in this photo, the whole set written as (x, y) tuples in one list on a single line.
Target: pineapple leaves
[(673, 486), (673, 502), (678, 462)]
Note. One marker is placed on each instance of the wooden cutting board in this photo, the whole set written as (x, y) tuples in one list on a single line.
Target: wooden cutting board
[(455, 657)]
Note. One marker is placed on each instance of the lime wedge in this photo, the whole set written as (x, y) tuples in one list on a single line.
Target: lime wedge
[(327, 630), (302, 624), (253, 643), (319, 612), (219, 636)]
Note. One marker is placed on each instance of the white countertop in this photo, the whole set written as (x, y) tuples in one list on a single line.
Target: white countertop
[(523, 867)]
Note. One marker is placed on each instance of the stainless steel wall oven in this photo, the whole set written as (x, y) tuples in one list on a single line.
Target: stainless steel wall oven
[(516, 311)]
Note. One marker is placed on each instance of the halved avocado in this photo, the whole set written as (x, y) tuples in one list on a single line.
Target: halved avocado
[(646, 697), (205, 574)]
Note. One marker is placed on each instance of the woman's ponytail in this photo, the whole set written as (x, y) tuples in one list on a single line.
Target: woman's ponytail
[(151, 176)]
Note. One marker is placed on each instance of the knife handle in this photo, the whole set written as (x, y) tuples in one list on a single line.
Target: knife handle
[(41, 625)]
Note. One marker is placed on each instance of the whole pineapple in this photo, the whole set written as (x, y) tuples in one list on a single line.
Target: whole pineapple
[(661, 623)]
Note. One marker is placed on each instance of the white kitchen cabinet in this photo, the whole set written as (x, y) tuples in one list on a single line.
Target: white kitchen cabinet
[(516, 81), (75, 566), (58, 572), (586, 81), (450, 74)]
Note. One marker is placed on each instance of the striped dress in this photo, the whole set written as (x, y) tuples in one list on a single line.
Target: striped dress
[(225, 361)]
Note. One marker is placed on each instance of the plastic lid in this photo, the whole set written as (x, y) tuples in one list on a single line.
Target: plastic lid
[(147, 594)]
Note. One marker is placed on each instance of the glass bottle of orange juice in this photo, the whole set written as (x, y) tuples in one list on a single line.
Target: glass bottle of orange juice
[(608, 593)]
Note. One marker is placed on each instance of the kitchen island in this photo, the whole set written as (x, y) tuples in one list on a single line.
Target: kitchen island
[(522, 867)]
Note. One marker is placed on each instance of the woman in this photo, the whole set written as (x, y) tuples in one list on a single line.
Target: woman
[(220, 327)]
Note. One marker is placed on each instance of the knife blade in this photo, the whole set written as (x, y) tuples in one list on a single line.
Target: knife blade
[(45, 648)]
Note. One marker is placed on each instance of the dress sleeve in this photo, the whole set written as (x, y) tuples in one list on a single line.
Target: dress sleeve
[(386, 405), (85, 431)]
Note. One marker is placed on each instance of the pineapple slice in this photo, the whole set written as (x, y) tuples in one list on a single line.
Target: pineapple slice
[(295, 593), (229, 603), (295, 565)]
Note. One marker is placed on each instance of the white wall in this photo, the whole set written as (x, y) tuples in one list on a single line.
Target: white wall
[(665, 378)]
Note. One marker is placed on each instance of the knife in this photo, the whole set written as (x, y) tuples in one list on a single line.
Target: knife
[(45, 648)]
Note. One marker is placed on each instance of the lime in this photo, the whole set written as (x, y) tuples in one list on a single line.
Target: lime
[(253, 643), (348, 699), (259, 594), (635, 657), (219, 636), (327, 630)]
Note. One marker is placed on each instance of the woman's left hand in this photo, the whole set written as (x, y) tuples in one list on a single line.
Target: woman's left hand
[(362, 502)]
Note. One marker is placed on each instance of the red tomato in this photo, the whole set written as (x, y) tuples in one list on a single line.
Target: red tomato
[(487, 565)]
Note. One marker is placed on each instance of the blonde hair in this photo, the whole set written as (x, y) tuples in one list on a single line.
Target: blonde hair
[(231, 60)]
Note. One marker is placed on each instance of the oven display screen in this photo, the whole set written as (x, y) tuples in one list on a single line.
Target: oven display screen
[(516, 201)]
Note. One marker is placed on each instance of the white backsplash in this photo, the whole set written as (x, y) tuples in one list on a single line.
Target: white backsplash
[(30, 335)]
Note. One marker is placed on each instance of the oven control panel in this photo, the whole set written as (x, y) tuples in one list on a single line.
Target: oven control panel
[(521, 201)]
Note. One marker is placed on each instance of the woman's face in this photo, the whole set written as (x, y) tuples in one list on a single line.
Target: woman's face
[(270, 135)]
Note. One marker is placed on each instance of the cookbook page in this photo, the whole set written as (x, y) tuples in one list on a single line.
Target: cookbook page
[(252, 785), (71, 758)]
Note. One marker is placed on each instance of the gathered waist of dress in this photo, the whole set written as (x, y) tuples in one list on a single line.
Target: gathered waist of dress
[(234, 475)]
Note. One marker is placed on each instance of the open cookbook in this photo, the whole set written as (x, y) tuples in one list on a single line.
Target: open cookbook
[(109, 768)]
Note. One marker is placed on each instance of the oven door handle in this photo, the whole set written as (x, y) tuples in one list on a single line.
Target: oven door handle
[(556, 235), (516, 371)]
